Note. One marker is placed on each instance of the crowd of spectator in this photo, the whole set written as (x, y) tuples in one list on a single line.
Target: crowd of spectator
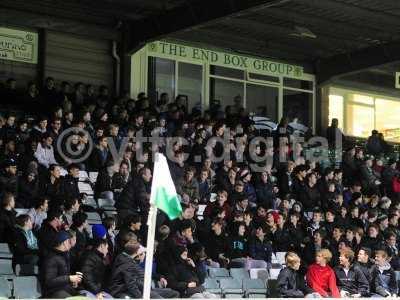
[(339, 226)]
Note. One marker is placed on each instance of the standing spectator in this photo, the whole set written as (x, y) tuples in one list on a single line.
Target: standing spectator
[(320, 276), (374, 145), (7, 217), (334, 134)]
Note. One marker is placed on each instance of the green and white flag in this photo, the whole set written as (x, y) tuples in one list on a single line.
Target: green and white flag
[(163, 192)]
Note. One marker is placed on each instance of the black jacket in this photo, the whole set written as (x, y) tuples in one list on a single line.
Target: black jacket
[(126, 278), (354, 282), (69, 187), (366, 269), (290, 284), (19, 246), (46, 239), (56, 272), (94, 271), (7, 223), (27, 192)]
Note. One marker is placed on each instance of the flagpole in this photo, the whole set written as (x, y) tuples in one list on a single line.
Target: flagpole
[(151, 222)]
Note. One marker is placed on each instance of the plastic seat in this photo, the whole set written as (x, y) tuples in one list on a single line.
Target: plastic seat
[(397, 275), (5, 251), (254, 286), (21, 211), (212, 286), (218, 272), (5, 288), (93, 176), (280, 257), (274, 272), (233, 296), (106, 204), (230, 286), (93, 216), (239, 273), (5, 267), (26, 287), (254, 296)]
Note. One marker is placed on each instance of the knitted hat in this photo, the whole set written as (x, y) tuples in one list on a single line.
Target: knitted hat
[(98, 231), (62, 236)]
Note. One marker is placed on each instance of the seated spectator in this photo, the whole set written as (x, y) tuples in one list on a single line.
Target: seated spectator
[(290, 284), (384, 282), (39, 212), (50, 186), (79, 225), (260, 249), (120, 179), (39, 130), (110, 224), (351, 281), (320, 276), (48, 232), (24, 243), (95, 270), (132, 223), (127, 276), (364, 262), (188, 187), (58, 282), (71, 207), (7, 217), (218, 243), (69, 184)]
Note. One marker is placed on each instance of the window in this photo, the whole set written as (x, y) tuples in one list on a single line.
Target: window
[(262, 101), (336, 109), (223, 92), (297, 107), (362, 99), (298, 84), (190, 84), (227, 72), (360, 120), (387, 114), (259, 77), (161, 77)]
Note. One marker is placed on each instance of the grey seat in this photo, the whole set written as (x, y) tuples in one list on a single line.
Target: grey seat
[(218, 272), (230, 286), (93, 218), (254, 286), (212, 286), (239, 273), (5, 251), (106, 204), (26, 287), (5, 288), (5, 267)]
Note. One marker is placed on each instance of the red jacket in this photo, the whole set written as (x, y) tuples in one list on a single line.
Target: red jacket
[(322, 280)]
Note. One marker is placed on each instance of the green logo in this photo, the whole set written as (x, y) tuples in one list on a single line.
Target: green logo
[(298, 72)]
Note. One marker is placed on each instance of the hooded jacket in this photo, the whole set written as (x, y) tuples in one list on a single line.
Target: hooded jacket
[(322, 280), (353, 282)]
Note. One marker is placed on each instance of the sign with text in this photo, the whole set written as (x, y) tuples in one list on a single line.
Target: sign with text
[(229, 60), (18, 45)]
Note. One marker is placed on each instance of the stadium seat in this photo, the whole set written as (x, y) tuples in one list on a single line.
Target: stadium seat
[(89, 201), (254, 296), (26, 287), (233, 296), (106, 204), (218, 272), (5, 288), (5, 267), (21, 211), (93, 176), (230, 286), (212, 286), (83, 175), (26, 270), (254, 286), (85, 188), (93, 218), (239, 273), (280, 257), (274, 272), (5, 251)]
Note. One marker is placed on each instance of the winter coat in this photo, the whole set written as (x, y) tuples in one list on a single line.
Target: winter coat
[(7, 223), (47, 239), (69, 187), (290, 284), (260, 250), (94, 271), (353, 282), (126, 278), (56, 272), (383, 280), (19, 247)]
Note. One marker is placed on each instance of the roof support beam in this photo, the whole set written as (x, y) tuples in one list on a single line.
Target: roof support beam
[(189, 15), (356, 61)]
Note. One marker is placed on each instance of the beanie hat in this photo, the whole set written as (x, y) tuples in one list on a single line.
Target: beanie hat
[(62, 236), (98, 231)]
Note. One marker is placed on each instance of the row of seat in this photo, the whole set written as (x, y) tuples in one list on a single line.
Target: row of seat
[(236, 288), (24, 287)]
